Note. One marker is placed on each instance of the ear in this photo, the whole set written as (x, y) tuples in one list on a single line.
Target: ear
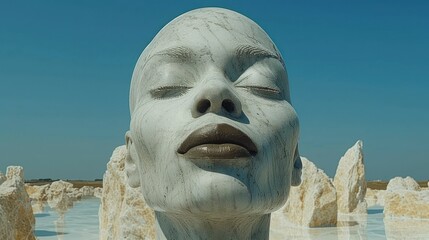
[(297, 168), (131, 169)]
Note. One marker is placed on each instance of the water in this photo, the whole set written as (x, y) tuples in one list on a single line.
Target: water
[(81, 222)]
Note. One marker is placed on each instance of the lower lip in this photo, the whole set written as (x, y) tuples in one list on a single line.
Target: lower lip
[(218, 151)]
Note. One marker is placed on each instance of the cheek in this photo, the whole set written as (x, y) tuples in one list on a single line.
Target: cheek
[(279, 124)]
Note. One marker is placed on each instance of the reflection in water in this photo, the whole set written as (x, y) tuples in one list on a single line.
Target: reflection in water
[(352, 226), (81, 222), (404, 228), (348, 227)]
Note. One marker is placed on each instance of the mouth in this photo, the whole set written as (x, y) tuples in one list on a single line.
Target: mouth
[(218, 141)]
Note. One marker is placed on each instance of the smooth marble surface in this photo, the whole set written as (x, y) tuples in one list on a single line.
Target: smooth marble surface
[(81, 222), (213, 139)]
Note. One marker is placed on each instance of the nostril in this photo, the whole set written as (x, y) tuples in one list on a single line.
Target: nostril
[(228, 105), (203, 106)]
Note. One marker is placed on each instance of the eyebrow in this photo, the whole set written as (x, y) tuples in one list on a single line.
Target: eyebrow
[(247, 51), (180, 53), (185, 54)]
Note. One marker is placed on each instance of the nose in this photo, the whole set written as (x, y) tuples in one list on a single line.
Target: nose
[(216, 98)]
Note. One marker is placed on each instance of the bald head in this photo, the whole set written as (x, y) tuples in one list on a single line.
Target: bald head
[(206, 34)]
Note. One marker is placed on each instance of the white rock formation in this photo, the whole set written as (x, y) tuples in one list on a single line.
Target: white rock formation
[(313, 203), (38, 193), (87, 191), (59, 196), (380, 197), (5, 226), (74, 194), (399, 183), (350, 181), (123, 212), (98, 192), (38, 196), (16, 216), (2, 178), (407, 203), (371, 197)]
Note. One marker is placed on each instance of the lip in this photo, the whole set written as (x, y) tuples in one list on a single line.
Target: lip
[(218, 141)]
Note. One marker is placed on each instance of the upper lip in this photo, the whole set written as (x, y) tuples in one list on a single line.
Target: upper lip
[(218, 134)]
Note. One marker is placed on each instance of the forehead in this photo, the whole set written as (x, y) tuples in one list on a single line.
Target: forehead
[(211, 30)]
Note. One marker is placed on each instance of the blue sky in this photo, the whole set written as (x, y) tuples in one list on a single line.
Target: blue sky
[(357, 70)]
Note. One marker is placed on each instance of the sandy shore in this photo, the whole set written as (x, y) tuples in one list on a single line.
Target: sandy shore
[(76, 183)]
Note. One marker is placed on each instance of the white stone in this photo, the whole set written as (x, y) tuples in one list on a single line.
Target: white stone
[(407, 203), (98, 192), (87, 191), (2, 178), (123, 212), (16, 216), (380, 197), (5, 226), (38, 193), (313, 203), (59, 186), (74, 194), (371, 197), (60, 196), (350, 181), (399, 183)]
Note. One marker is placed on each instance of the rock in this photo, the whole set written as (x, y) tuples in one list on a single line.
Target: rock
[(38, 193), (371, 197), (38, 206), (98, 192), (374, 197), (399, 183), (87, 191), (314, 202), (5, 226), (350, 181), (59, 196), (16, 216), (59, 186), (380, 197), (407, 203), (2, 178), (74, 194), (123, 212)]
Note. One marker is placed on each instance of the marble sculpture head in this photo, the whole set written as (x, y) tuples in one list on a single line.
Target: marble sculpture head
[(213, 134)]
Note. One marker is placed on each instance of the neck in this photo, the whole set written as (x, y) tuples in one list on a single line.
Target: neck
[(181, 227)]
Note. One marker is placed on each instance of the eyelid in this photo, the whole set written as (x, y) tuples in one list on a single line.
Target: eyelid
[(267, 89), (265, 92), (169, 91)]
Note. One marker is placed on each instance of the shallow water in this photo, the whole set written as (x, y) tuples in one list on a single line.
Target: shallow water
[(81, 222)]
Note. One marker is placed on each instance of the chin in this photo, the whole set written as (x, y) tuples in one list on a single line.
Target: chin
[(208, 194)]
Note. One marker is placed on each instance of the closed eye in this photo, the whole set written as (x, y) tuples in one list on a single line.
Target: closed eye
[(263, 91), (168, 92)]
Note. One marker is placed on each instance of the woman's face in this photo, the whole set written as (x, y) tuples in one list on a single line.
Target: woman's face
[(212, 128)]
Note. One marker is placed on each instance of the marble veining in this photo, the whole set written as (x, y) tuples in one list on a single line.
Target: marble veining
[(213, 139)]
